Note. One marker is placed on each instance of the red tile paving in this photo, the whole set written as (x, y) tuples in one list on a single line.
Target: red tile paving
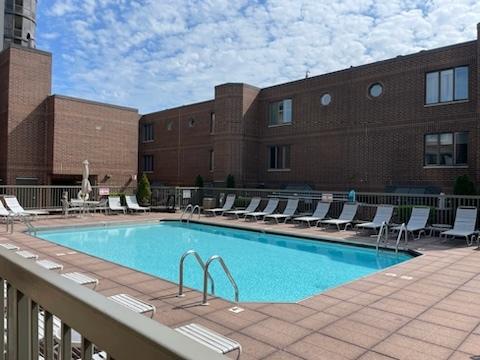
[(427, 308)]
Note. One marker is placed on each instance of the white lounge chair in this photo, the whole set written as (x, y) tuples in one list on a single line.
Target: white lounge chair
[(254, 203), (133, 304), (114, 204), (9, 246), (346, 217), (417, 222), (81, 279), (464, 225), (227, 206), (217, 342), (132, 204), (5, 213), (269, 209), (382, 215), (288, 212), (49, 265), (320, 213), (17, 209), (26, 254), (76, 338)]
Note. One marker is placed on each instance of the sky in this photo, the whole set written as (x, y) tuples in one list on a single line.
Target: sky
[(156, 54)]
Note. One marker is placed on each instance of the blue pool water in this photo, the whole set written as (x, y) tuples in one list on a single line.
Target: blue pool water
[(266, 267)]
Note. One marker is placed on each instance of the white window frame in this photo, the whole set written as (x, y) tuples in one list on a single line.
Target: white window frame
[(283, 111)]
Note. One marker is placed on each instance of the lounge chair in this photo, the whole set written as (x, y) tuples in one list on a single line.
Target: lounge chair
[(346, 217), (132, 204), (288, 212), (417, 222), (464, 225), (5, 214), (133, 304), (269, 209), (114, 204), (227, 206), (319, 214), (17, 209), (254, 203), (217, 342), (382, 215)]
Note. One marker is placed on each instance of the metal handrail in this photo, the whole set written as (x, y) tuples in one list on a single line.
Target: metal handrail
[(202, 265), (185, 211), (227, 272), (403, 229), (196, 207), (382, 232)]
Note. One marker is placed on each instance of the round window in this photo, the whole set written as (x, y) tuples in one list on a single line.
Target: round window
[(191, 123), (169, 126), (326, 99), (376, 90)]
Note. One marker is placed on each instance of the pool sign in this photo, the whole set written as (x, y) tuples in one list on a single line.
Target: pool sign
[(104, 191), (187, 194)]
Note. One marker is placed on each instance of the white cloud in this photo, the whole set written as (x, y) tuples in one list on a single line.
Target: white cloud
[(154, 54)]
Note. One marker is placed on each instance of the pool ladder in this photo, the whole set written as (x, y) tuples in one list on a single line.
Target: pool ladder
[(190, 211), (206, 275), (382, 236)]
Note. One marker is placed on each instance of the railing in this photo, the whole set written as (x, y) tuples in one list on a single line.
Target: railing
[(101, 323), (50, 197), (206, 276), (181, 267)]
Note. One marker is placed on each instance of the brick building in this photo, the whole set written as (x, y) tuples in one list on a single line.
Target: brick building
[(44, 138), (411, 121)]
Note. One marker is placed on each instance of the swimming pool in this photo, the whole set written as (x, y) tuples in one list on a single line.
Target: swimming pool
[(266, 267)]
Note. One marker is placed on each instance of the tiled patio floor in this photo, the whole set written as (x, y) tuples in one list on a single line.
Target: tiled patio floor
[(427, 308)]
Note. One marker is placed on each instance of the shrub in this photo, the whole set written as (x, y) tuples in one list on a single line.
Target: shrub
[(199, 181), (230, 181), (464, 186), (144, 192)]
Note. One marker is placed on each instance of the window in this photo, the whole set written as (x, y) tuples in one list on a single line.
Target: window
[(375, 90), (212, 123), (147, 163), (147, 132), (326, 99), (169, 126), (280, 113), (446, 149), (211, 163), (191, 123), (447, 85), (279, 157)]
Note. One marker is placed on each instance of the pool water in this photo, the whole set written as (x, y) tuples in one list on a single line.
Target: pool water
[(266, 267)]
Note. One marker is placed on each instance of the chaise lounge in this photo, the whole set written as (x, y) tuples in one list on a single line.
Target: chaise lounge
[(382, 215), (417, 222), (464, 225), (254, 203), (227, 206), (269, 209), (346, 217), (290, 210), (319, 214)]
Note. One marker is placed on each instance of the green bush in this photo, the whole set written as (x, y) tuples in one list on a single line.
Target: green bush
[(230, 181), (464, 186), (199, 181), (144, 192)]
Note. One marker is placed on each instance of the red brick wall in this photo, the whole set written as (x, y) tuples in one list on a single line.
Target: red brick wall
[(4, 82), (181, 153), (106, 135), (29, 83)]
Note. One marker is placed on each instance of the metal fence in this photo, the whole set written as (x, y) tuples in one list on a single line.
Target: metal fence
[(37, 300), (443, 207)]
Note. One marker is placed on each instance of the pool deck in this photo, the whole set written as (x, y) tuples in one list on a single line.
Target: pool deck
[(426, 308)]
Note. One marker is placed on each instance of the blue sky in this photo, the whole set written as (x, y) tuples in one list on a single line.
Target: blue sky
[(155, 54)]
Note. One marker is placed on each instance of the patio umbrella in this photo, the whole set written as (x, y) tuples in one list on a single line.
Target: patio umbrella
[(86, 187)]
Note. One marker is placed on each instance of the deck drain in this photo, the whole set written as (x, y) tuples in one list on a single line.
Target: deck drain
[(71, 252), (391, 274), (236, 309), (61, 254), (406, 277)]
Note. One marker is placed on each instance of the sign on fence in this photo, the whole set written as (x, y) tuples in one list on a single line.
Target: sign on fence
[(187, 194), (104, 191)]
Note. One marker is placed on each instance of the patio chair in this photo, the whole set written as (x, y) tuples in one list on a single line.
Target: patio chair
[(464, 225), (417, 222), (17, 209), (382, 215), (227, 206), (132, 204), (254, 203), (114, 204), (76, 338), (288, 212), (346, 217), (217, 342), (269, 209), (133, 304), (319, 214)]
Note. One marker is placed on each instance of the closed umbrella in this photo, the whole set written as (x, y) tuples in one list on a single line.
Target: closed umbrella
[(86, 187)]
